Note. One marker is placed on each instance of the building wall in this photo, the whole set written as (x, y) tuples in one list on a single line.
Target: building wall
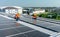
[(39, 11), (12, 11), (20, 10)]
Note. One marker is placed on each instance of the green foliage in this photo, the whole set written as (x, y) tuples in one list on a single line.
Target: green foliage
[(49, 15), (46, 10), (58, 17), (52, 15), (40, 15), (43, 15)]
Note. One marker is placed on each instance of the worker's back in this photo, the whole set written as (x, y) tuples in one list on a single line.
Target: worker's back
[(34, 15), (17, 15)]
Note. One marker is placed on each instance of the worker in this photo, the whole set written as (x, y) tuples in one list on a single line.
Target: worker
[(35, 16), (17, 16)]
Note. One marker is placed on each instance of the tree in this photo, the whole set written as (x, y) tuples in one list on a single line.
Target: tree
[(46, 10)]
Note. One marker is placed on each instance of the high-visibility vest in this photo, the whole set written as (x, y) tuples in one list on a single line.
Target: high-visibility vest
[(17, 15), (34, 16)]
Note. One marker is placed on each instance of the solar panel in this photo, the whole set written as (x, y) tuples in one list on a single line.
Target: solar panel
[(12, 28)]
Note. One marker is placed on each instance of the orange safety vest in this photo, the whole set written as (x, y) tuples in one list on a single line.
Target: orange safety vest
[(34, 16), (17, 15)]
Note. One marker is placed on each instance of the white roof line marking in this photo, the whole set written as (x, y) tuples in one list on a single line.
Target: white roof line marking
[(20, 33), (12, 27)]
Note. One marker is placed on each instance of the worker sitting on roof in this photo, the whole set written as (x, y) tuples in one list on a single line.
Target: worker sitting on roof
[(34, 16), (17, 15)]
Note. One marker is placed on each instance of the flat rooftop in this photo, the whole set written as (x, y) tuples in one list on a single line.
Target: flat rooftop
[(10, 28)]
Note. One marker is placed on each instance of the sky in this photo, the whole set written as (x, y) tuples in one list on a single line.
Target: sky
[(31, 3)]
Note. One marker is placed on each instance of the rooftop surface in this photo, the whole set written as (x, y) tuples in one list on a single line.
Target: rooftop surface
[(10, 28), (44, 27)]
